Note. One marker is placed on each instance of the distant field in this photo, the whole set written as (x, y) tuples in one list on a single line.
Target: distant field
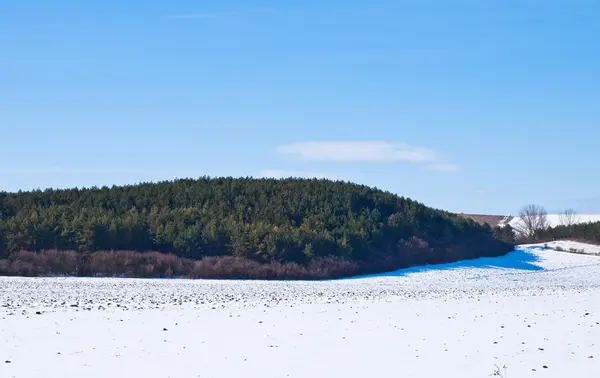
[(492, 220), (502, 220), (555, 219)]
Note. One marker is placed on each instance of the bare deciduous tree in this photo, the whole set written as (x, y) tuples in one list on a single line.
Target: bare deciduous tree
[(532, 218), (568, 218)]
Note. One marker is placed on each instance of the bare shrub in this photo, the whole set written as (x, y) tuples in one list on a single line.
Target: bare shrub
[(60, 262), (244, 268), (402, 254), (26, 263), (155, 265), (332, 267), (137, 264), (25, 269)]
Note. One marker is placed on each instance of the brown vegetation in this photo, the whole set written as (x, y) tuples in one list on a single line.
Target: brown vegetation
[(162, 265), (411, 252), (492, 220)]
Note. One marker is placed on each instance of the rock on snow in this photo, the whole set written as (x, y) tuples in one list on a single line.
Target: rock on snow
[(535, 311)]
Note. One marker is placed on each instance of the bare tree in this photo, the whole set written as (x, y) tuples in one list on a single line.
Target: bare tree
[(568, 218), (532, 218)]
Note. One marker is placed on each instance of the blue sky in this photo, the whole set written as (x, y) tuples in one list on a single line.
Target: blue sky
[(474, 106)]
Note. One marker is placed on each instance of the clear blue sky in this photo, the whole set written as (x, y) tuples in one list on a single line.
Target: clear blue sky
[(468, 105)]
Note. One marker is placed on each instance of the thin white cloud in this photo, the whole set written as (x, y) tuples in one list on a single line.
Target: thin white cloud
[(479, 192), (279, 173), (443, 167), (359, 151)]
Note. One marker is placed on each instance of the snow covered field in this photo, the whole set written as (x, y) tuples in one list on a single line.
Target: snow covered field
[(570, 246), (557, 220), (537, 312)]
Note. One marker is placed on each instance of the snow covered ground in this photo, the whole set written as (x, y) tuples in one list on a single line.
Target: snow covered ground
[(535, 311), (570, 246)]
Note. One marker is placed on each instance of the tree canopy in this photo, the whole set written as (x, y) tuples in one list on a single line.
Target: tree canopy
[(289, 220), (586, 232)]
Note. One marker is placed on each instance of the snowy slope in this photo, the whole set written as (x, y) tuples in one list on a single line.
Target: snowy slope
[(529, 309), (555, 220), (569, 246)]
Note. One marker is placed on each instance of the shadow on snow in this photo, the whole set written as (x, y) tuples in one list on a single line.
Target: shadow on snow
[(520, 259)]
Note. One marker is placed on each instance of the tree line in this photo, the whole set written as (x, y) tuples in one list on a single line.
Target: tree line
[(534, 226), (584, 232), (263, 221)]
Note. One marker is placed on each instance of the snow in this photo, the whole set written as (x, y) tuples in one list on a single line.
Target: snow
[(529, 309), (556, 220), (569, 246)]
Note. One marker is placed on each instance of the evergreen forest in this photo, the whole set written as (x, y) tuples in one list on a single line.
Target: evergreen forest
[(232, 228)]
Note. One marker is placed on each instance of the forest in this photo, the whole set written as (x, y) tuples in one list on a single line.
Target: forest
[(584, 232), (232, 228)]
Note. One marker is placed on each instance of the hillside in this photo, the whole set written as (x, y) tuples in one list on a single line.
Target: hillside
[(318, 228), (492, 220)]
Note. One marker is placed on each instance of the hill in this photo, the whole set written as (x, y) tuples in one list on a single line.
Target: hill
[(492, 220), (231, 228)]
